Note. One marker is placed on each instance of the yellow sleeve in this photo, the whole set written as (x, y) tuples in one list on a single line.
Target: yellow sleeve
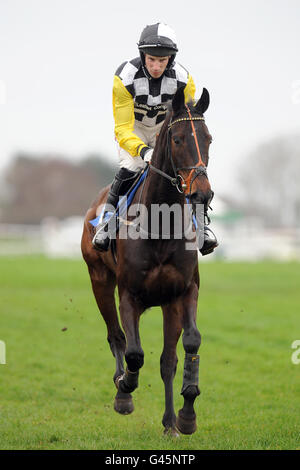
[(190, 89), (123, 110)]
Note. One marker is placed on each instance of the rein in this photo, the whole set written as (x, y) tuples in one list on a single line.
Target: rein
[(182, 185)]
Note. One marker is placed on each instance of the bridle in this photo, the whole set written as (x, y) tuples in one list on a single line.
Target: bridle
[(182, 185)]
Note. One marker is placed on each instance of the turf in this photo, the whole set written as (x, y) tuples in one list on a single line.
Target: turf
[(56, 389)]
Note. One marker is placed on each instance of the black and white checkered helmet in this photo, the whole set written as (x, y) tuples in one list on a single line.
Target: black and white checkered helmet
[(158, 40)]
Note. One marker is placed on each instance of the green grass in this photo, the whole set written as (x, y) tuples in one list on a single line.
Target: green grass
[(56, 390)]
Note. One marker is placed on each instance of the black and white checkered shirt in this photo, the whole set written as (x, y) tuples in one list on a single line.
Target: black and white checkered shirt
[(151, 95)]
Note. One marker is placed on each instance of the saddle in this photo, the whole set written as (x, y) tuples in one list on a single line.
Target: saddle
[(125, 200)]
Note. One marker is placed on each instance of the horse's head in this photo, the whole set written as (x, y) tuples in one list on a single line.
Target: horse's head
[(188, 145)]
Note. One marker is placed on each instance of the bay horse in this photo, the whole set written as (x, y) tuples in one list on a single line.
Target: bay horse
[(157, 272)]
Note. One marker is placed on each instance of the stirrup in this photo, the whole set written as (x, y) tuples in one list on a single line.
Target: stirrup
[(101, 238), (209, 243)]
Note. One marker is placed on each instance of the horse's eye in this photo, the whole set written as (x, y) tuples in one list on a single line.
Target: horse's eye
[(177, 140)]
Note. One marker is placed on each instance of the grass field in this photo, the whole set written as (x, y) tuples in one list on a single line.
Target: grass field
[(56, 390)]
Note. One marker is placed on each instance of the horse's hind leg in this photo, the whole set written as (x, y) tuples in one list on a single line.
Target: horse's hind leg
[(191, 338), (103, 284)]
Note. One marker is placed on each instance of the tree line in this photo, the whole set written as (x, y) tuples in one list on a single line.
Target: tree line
[(38, 186)]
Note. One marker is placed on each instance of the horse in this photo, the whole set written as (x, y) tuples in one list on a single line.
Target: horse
[(157, 271)]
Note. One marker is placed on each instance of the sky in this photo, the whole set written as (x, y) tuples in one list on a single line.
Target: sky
[(58, 58)]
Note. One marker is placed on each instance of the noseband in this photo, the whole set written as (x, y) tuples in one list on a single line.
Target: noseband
[(184, 186)]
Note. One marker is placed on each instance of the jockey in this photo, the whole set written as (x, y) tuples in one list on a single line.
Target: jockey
[(142, 87)]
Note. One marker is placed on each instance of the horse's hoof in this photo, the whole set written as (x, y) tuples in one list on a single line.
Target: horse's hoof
[(172, 432), (124, 406), (184, 425)]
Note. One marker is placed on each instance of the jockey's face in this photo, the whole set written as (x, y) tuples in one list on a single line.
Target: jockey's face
[(156, 65)]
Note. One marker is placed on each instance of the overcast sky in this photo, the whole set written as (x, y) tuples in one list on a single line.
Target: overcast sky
[(58, 58)]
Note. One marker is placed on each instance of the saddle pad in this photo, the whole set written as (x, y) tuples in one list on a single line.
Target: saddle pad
[(124, 202)]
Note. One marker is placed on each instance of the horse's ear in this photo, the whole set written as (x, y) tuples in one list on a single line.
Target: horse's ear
[(203, 102), (178, 100)]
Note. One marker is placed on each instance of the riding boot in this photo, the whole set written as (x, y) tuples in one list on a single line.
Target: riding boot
[(120, 185), (209, 243)]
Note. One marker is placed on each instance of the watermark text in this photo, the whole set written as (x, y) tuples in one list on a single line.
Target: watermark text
[(2, 352), (295, 358), (158, 222)]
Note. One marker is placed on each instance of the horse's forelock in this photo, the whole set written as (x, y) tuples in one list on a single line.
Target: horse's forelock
[(190, 104)]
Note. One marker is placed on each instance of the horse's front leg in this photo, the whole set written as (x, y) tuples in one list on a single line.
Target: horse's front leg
[(168, 362), (191, 338), (103, 284), (130, 312)]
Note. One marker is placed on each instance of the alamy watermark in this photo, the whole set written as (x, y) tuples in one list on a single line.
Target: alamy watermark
[(295, 358), (2, 353), (158, 222)]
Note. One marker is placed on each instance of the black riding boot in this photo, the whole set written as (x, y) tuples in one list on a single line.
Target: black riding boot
[(120, 185)]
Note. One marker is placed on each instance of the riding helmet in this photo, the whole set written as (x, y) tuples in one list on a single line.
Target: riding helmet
[(158, 40)]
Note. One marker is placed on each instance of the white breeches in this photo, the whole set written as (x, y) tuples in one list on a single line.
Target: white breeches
[(148, 136)]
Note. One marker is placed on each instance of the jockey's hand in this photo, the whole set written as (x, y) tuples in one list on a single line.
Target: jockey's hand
[(148, 155)]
